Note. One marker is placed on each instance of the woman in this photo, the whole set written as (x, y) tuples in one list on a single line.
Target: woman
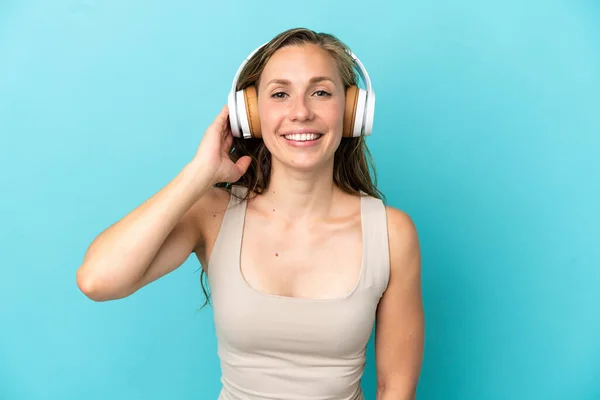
[(301, 253)]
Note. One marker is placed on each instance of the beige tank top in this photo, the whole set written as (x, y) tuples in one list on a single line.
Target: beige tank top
[(285, 348)]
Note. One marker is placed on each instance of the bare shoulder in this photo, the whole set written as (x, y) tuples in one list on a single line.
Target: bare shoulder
[(400, 224), (215, 200), (403, 240)]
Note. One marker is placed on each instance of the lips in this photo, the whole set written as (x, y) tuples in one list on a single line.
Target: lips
[(302, 135)]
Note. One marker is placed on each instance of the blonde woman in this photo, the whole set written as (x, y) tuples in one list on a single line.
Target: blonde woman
[(301, 254)]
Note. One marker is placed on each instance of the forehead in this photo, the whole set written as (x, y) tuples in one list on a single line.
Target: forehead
[(298, 63)]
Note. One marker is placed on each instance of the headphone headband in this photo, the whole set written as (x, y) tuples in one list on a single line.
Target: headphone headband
[(239, 71)]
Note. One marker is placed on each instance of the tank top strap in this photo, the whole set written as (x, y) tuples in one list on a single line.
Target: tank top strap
[(238, 192), (233, 220), (376, 256), (226, 248)]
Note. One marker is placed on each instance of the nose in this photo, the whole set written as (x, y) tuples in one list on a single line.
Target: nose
[(301, 110)]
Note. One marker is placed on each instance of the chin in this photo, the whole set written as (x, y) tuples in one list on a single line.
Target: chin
[(306, 164), (306, 156)]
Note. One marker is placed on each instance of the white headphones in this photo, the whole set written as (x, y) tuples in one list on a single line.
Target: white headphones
[(358, 115)]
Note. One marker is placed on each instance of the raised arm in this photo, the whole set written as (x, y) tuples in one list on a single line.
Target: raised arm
[(159, 235)]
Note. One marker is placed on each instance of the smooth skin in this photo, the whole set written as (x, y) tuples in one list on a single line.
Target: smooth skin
[(301, 219)]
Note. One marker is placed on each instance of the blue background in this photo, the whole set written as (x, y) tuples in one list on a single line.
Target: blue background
[(487, 132)]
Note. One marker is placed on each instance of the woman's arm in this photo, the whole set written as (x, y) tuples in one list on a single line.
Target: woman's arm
[(157, 236), (400, 327), (160, 234)]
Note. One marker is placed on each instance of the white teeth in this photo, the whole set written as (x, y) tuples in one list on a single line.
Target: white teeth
[(302, 137)]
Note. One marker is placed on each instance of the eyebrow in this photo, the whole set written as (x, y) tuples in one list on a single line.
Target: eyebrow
[(316, 79)]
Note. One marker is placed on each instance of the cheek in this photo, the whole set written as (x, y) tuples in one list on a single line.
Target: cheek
[(334, 115), (268, 121), (266, 106)]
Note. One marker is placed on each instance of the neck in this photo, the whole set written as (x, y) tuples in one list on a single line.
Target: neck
[(301, 195)]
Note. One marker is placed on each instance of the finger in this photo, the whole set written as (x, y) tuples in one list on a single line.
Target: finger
[(227, 142), (222, 117), (243, 163), (226, 130)]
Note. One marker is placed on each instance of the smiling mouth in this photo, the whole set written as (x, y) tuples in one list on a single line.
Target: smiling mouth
[(303, 137)]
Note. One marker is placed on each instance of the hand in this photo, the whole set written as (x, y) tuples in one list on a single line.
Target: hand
[(214, 148)]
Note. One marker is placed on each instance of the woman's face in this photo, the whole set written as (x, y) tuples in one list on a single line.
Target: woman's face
[(301, 101)]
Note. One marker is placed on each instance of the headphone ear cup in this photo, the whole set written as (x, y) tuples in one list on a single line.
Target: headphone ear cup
[(246, 107), (251, 100), (233, 116), (355, 111), (350, 111)]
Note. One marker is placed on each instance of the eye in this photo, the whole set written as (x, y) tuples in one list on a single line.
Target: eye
[(322, 93), (279, 95)]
